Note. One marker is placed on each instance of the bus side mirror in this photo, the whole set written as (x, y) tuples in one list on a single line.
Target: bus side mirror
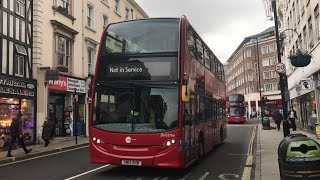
[(185, 93)]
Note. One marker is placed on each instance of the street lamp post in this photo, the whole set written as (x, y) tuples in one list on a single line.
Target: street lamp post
[(286, 130), (259, 78)]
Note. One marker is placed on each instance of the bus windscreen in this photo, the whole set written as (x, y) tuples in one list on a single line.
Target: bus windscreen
[(136, 109)]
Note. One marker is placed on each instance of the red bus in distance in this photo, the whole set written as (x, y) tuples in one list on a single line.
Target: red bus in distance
[(236, 108), (158, 95)]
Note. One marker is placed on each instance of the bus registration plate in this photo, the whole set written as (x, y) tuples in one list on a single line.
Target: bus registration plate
[(131, 162)]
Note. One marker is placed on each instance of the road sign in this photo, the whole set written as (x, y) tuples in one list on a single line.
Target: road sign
[(280, 67)]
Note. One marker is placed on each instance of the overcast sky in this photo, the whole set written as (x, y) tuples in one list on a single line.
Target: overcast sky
[(222, 24)]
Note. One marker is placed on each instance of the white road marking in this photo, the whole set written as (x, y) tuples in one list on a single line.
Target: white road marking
[(82, 174), (248, 167), (204, 176), (37, 157), (184, 177)]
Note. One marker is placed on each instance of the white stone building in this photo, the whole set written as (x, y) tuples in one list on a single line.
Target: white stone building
[(66, 38), (299, 21)]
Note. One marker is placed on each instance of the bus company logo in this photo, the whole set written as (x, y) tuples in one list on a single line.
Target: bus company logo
[(129, 139)]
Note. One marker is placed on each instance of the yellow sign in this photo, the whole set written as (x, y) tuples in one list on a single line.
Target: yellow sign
[(318, 129)]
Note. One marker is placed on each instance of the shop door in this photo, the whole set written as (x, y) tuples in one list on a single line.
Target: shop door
[(304, 117), (188, 119), (57, 115)]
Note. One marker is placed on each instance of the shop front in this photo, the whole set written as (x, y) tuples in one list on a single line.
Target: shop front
[(305, 106), (17, 95), (66, 106)]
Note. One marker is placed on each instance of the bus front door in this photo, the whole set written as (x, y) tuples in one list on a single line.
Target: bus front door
[(188, 118)]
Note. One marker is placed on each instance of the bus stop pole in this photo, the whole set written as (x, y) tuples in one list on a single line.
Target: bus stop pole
[(75, 114), (286, 130)]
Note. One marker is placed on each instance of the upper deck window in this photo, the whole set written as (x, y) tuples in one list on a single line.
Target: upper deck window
[(145, 36), (236, 97)]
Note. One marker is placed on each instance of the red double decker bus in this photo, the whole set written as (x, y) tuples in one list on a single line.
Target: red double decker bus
[(158, 95), (236, 108)]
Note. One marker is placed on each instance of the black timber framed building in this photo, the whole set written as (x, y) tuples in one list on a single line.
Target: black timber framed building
[(18, 88)]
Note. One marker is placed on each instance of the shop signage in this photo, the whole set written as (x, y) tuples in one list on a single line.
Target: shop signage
[(305, 84), (79, 85), (17, 87), (68, 84)]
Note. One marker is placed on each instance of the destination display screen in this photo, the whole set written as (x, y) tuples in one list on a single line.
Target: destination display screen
[(160, 68)]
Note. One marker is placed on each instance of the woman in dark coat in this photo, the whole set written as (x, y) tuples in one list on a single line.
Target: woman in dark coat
[(46, 131), (277, 116)]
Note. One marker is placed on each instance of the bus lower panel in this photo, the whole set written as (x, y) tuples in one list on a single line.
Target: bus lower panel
[(234, 119), (169, 159)]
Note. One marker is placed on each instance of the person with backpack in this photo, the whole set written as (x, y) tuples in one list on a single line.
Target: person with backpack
[(16, 133)]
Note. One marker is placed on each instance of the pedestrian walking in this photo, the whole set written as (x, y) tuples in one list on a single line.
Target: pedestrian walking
[(46, 131), (16, 133), (292, 117), (277, 117)]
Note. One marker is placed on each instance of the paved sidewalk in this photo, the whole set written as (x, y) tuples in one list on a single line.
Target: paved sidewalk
[(267, 156), (38, 149)]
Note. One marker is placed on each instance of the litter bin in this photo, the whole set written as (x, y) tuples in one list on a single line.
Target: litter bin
[(299, 158), (317, 124), (266, 123)]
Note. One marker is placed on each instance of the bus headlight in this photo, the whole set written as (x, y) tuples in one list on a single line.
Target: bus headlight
[(98, 141), (173, 141), (94, 138), (168, 143)]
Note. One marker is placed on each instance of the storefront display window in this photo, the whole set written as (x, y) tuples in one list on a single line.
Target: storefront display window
[(9, 108), (27, 110), (311, 111), (305, 106)]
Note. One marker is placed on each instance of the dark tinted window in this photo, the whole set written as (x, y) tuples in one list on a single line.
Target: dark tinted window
[(236, 97), (145, 36)]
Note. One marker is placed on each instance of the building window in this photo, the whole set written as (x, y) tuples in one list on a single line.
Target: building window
[(305, 38), (266, 75), (316, 16), (265, 62), (273, 61), (117, 5), (90, 16), (310, 29), (298, 10), (21, 7), (91, 56), (20, 60), (249, 53), (268, 87), (105, 21), (250, 77), (63, 53), (63, 6), (249, 65), (19, 65), (127, 13)]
